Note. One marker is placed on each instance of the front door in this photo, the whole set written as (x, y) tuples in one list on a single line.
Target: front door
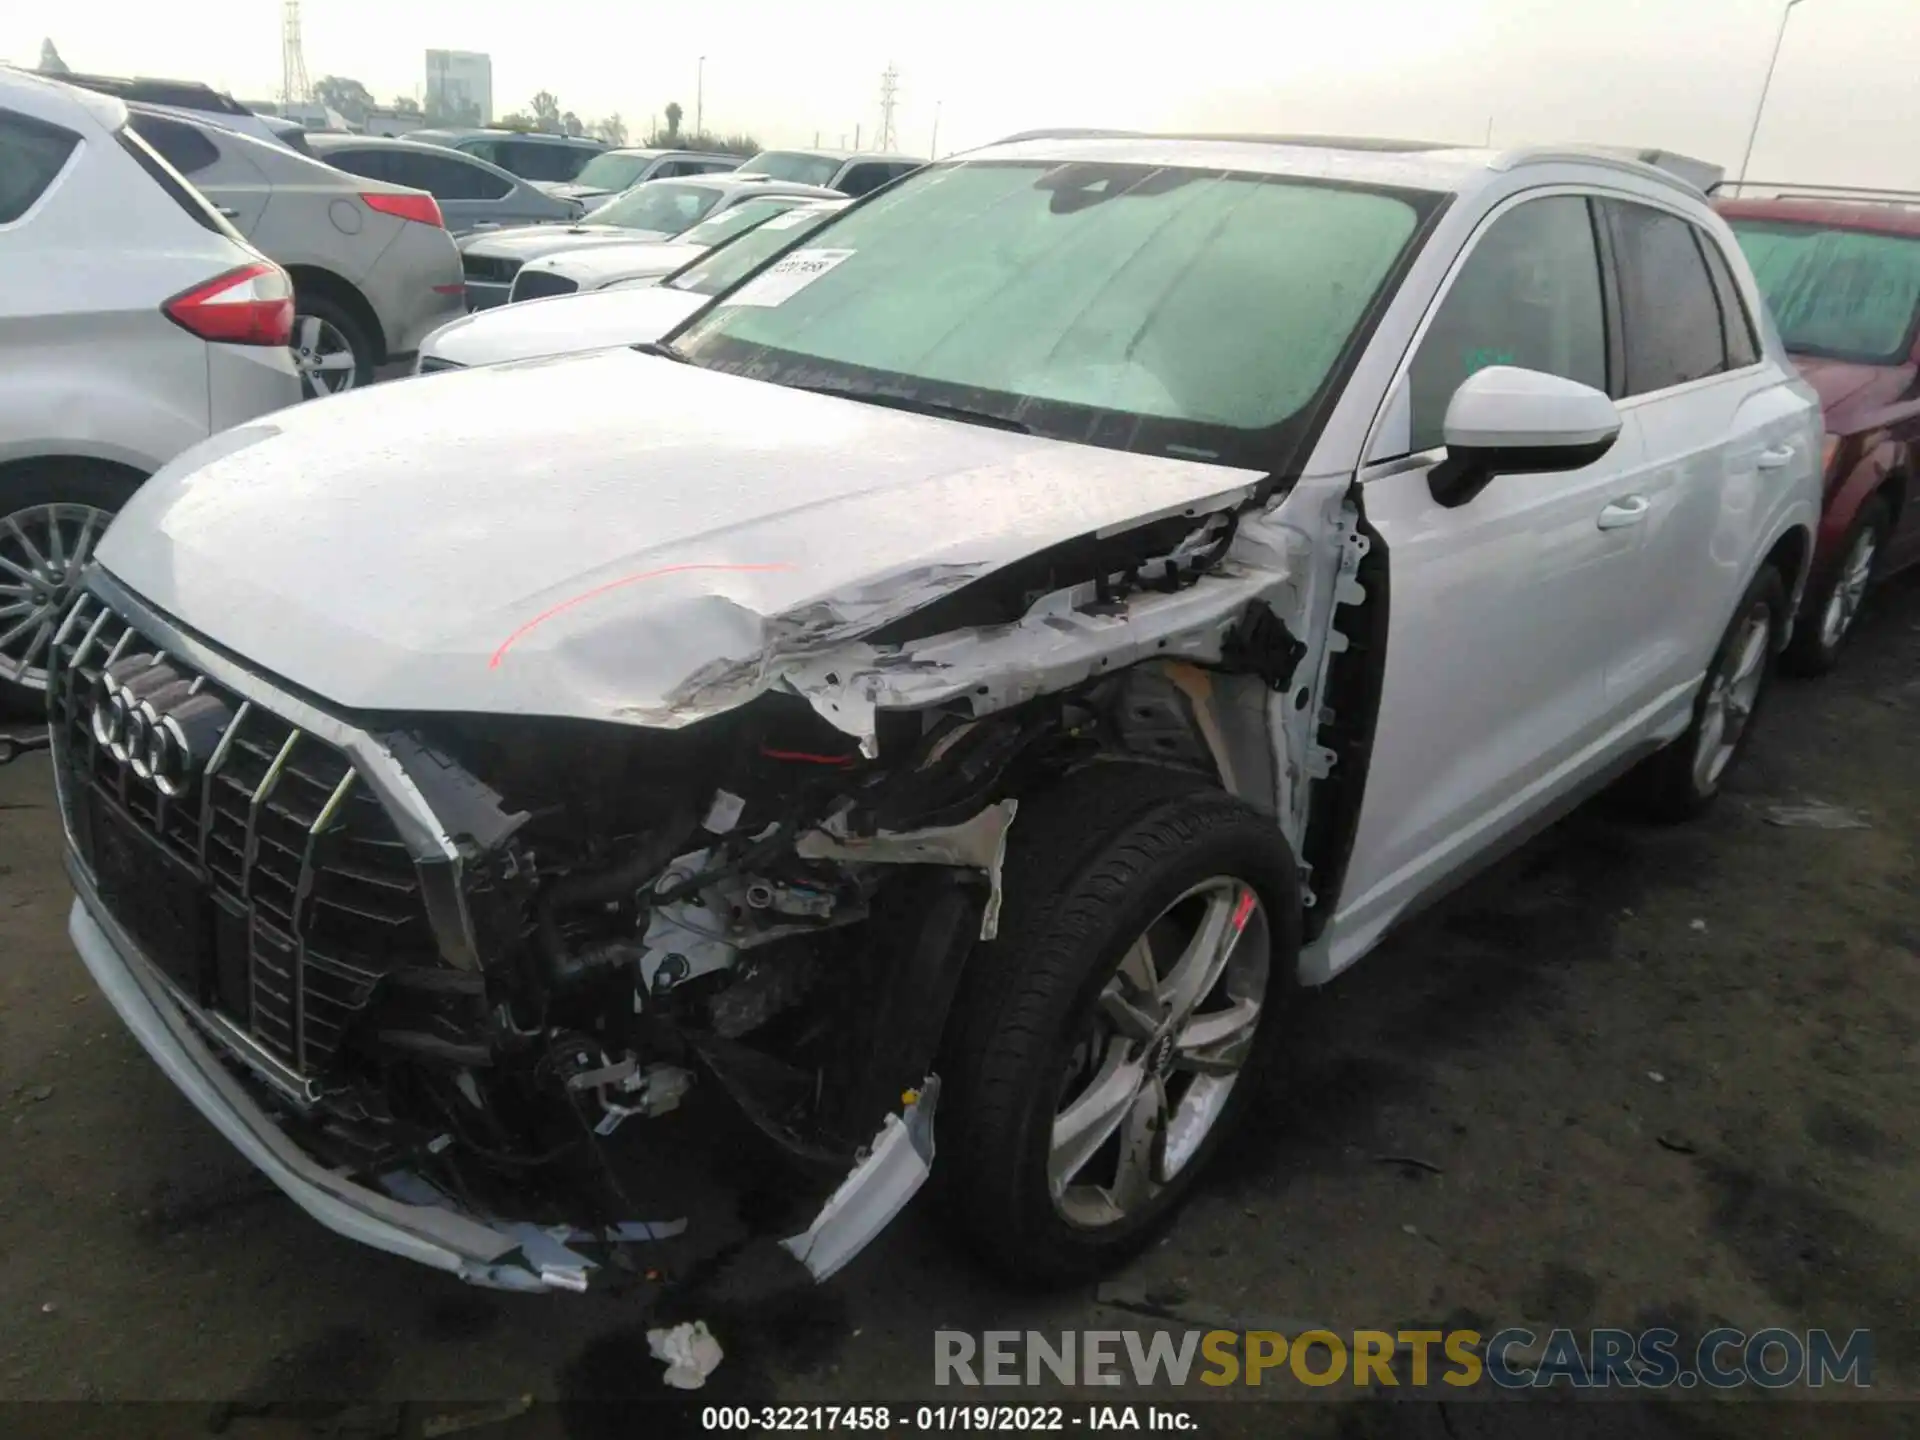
[(1507, 612)]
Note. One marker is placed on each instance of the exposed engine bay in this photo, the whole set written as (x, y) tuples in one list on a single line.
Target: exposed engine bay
[(703, 970)]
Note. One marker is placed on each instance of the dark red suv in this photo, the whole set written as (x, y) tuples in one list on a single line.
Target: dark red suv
[(1841, 274)]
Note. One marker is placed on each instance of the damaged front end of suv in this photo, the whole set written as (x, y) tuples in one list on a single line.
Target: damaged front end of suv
[(542, 999)]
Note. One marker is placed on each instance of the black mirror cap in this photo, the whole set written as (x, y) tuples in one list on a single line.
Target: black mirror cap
[(1467, 470)]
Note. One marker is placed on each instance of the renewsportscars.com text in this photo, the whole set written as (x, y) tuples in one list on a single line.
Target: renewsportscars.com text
[(1512, 1358)]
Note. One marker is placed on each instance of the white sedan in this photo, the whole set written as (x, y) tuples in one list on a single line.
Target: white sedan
[(630, 304)]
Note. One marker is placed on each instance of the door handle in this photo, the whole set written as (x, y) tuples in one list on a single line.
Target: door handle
[(1627, 510), (228, 211), (1773, 459)]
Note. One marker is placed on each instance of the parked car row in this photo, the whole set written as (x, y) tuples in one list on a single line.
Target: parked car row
[(1840, 270), (948, 661)]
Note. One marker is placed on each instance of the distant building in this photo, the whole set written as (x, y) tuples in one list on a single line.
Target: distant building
[(382, 121), (460, 87)]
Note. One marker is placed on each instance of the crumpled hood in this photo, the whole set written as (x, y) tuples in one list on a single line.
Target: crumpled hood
[(1850, 391), (587, 536), (561, 325), (527, 242)]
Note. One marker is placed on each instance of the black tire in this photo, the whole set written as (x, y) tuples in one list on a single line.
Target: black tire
[(331, 312), (1090, 864), (1810, 652), (24, 487), (1667, 788)]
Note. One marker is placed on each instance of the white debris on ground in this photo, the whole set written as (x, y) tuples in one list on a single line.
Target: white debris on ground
[(690, 1351)]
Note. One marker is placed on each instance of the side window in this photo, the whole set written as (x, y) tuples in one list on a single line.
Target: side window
[(1742, 347), (31, 154), (444, 177), (1528, 295), (181, 146), (368, 164), (531, 160), (668, 169), (491, 151), (1668, 311), (861, 178)]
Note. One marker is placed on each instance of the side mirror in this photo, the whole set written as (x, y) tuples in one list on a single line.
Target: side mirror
[(1507, 421)]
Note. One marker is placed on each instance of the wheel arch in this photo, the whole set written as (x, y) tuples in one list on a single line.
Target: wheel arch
[(317, 280), (24, 465)]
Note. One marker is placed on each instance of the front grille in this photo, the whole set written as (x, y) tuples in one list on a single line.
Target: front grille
[(272, 882), (495, 269), (532, 284)]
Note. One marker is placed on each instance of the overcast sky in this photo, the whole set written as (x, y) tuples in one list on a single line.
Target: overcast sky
[(1684, 74)]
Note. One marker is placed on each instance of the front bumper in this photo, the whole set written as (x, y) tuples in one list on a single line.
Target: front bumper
[(495, 1253)]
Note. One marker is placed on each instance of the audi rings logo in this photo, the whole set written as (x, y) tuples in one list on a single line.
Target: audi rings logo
[(157, 722)]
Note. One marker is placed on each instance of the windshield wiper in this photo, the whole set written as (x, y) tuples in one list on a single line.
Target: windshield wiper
[(922, 407), (663, 350)]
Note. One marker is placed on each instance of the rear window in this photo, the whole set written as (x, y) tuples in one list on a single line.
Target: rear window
[(179, 144), (31, 154), (614, 171), (168, 179), (663, 205), (446, 177), (793, 165), (531, 160), (1844, 294)]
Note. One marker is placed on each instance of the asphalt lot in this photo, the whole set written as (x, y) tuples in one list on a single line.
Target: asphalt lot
[(1647, 1075)]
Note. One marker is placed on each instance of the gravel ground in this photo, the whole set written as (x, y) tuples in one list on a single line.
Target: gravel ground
[(1648, 1076)]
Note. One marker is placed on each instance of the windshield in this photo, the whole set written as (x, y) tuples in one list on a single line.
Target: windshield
[(1183, 311), (794, 165), (729, 223), (662, 205), (727, 266), (1846, 294), (613, 171)]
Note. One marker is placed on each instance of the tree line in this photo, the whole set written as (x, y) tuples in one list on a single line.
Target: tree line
[(353, 102)]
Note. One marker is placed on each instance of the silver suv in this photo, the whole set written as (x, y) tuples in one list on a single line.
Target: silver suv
[(134, 322), (929, 712)]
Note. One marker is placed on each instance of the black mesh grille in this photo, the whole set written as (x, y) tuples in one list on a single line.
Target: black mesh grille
[(272, 880), (495, 268), (532, 284)]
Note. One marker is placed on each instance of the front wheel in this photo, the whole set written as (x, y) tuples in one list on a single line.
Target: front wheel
[(1682, 780), (1106, 1044)]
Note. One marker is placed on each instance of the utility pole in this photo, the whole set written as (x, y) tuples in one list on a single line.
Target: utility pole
[(856, 137), (1786, 14), (933, 150), (294, 87), (699, 97), (1489, 132), (889, 96)]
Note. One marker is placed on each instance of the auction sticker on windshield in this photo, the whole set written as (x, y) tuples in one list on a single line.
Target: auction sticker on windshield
[(788, 278)]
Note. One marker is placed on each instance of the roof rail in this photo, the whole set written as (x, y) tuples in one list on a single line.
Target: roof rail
[(1782, 190), (1700, 176)]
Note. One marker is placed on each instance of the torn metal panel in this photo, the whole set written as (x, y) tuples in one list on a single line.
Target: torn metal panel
[(979, 844), (894, 1169), (1058, 645)]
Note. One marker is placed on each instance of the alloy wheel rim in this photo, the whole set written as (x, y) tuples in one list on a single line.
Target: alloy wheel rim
[(1849, 590), (43, 549), (1165, 1046), (1732, 691), (323, 355)]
